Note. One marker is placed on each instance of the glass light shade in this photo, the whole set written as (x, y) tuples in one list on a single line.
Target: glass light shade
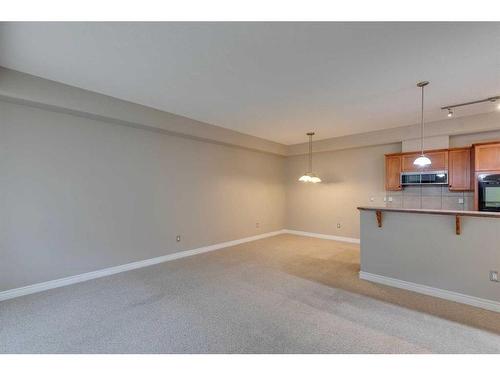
[(305, 178), (315, 179), (422, 161), (310, 177)]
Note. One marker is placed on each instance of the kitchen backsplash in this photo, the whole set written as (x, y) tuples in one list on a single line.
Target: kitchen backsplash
[(430, 197)]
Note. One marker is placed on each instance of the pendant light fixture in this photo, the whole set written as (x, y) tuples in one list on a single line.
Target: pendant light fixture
[(422, 160), (309, 176)]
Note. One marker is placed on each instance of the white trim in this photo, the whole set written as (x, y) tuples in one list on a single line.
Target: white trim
[(323, 236), (431, 291), (35, 288)]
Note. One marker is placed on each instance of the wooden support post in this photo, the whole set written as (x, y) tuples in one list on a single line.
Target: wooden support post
[(378, 213), (458, 227)]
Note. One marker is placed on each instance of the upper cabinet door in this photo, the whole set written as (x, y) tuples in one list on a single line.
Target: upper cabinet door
[(487, 157), (439, 161), (459, 177), (393, 172), (407, 161)]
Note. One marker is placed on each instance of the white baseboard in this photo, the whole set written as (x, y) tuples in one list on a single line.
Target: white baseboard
[(52, 284), (431, 291), (323, 236), (35, 288)]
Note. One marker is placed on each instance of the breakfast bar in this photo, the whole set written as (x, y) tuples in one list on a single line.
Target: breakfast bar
[(448, 254)]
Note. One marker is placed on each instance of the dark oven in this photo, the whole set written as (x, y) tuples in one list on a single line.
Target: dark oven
[(489, 192)]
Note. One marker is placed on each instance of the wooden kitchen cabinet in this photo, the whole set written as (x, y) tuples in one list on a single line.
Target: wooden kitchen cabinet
[(464, 165), (459, 169), (407, 162), (487, 157), (439, 161), (393, 172)]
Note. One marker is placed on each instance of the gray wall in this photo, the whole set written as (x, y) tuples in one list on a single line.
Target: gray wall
[(350, 178), (24, 88), (461, 130), (424, 249), (78, 195), (468, 139)]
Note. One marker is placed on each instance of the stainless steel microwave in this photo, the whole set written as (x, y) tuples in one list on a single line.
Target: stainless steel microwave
[(424, 178)]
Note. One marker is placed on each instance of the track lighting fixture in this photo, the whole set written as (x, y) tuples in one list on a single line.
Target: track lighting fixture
[(491, 99)]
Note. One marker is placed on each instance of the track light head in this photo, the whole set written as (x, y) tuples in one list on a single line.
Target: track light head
[(450, 112)]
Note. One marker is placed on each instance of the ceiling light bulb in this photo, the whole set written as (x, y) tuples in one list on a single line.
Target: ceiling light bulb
[(450, 112)]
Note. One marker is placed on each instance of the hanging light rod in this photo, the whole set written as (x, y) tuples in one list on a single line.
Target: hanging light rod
[(491, 99)]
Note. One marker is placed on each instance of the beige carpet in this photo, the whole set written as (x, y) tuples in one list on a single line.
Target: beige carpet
[(285, 294), (336, 264)]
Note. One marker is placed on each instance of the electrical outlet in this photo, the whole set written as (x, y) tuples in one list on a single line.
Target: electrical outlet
[(390, 199), (178, 238), (494, 276), (338, 225), (385, 199), (460, 201), (372, 199)]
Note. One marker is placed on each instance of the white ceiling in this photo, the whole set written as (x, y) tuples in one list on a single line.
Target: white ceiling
[(272, 80)]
